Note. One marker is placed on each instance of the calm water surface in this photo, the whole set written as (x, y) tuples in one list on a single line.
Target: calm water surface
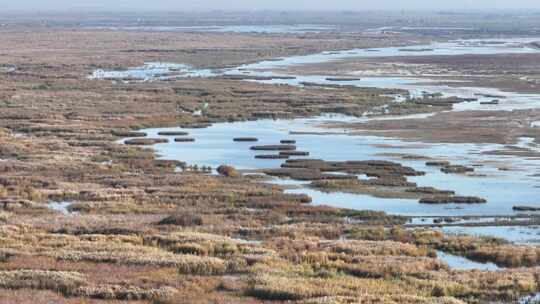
[(461, 263), (214, 146), (503, 189)]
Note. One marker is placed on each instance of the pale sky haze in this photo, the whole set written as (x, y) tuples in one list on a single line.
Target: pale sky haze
[(359, 5)]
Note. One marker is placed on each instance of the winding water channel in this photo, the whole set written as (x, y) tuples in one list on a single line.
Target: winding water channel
[(503, 189)]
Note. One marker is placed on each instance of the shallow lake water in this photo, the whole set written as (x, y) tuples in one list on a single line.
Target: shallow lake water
[(61, 207), (460, 263), (416, 86), (458, 47), (531, 299), (214, 146), (515, 234), (153, 71), (517, 184)]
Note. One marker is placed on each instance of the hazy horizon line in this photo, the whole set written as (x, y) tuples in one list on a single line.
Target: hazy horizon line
[(163, 10)]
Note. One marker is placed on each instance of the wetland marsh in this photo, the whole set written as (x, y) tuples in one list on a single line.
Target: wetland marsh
[(341, 158)]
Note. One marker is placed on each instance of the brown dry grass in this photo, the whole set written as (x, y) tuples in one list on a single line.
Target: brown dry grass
[(57, 143)]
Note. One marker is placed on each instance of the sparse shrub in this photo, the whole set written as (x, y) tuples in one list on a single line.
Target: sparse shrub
[(195, 265), (202, 243), (225, 248), (3, 192), (182, 219), (122, 292), (5, 255), (439, 291), (4, 216), (190, 248), (61, 281), (228, 171), (236, 265), (32, 194)]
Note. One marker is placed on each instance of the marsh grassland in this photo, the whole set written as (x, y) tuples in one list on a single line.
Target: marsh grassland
[(85, 218)]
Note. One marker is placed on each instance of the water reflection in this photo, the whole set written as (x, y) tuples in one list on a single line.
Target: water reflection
[(214, 146), (460, 263), (279, 68), (515, 234)]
